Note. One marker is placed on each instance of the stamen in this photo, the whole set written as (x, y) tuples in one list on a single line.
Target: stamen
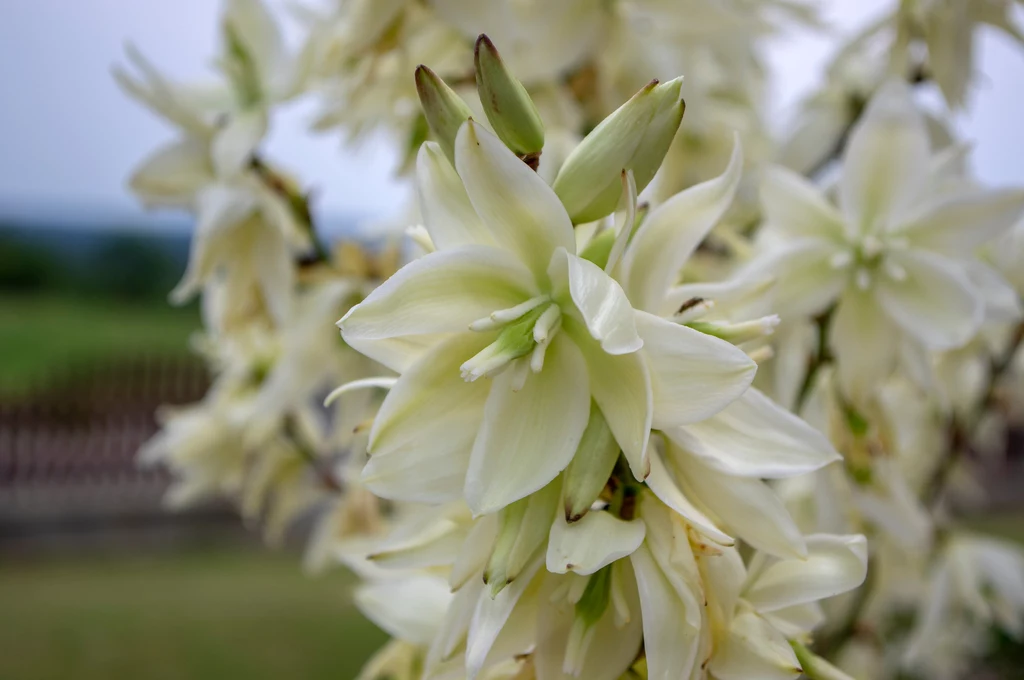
[(580, 637), (694, 311), (871, 246), (841, 260), (895, 271), (537, 358), (504, 316), (513, 313), (543, 330), (488, 362)]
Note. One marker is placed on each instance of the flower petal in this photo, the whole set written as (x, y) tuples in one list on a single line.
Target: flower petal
[(490, 617), (441, 292), (664, 486), (408, 609), (234, 144), (693, 375), (447, 213), (934, 303), (520, 209), (747, 508), (423, 434), (600, 301), (834, 565), (959, 223), (754, 649), (671, 233), (173, 174), (669, 641), (218, 208), (755, 437), (806, 282), (621, 386), (795, 207), (593, 542), (861, 339), (613, 647), (529, 436), (1001, 301), (885, 166)]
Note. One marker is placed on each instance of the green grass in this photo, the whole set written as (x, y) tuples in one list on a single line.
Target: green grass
[(209, 615), (40, 335)]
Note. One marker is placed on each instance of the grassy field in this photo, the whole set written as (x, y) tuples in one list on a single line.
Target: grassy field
[(212, 615), (39, 334)]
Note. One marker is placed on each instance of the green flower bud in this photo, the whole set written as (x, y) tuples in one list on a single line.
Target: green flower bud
[(813, 666), (445, 111), (638, 132), (524, 527), (591, 467), (508, 106)]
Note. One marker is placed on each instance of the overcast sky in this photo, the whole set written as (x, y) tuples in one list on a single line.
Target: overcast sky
[(68, 136)]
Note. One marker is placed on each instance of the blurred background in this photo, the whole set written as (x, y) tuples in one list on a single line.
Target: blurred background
[(96, 579)]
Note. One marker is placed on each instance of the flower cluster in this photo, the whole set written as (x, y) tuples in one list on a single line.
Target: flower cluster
[(659, 399)]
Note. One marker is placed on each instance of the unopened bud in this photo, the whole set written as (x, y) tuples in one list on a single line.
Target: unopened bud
[(591, 467), (508, 106), (443, 108), (524, 525), (589, 181)]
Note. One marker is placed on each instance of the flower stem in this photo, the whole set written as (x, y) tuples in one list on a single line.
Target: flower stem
[(821, 357)]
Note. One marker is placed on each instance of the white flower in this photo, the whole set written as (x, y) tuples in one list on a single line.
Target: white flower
[(976, 582), (497, 411), (895, 259)]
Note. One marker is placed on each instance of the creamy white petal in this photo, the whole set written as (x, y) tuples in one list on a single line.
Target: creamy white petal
[(862, 340), (755, 437), (747, 508), (423, 434), (595, 541), (806, 282), (612, 649), (173, 174), (1001, 300), (490, 617), (454, 626), (447, 213), (754, 649), (834, 565), (671, 233), (797, 621), (219, 208), (399, 353), (600, 301), (621, 386), (957, 224), (670, 642), (663, 484), (520, 209), (529, 436), (935, 303), (795, 207), (257, 30), (409, 608), (475, 552), (885, 166), (234, 144), (441, 292), (693, 375)]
